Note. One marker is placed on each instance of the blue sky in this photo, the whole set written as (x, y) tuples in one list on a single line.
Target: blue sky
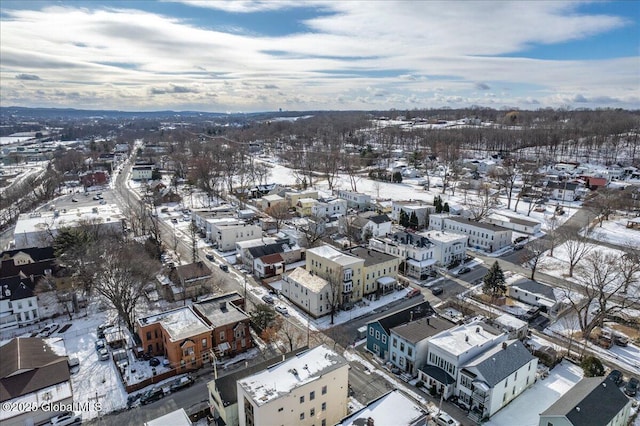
[(264, 55)]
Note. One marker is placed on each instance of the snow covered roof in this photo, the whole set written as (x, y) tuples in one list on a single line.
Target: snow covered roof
[(443, 237), (303, 277), (41, 221), (328, 252), (392, 408), (510, 322), (174, 418), (179, 323), (282, 378), (460, 339)]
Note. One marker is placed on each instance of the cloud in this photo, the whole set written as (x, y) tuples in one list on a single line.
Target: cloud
[(580, 98), (27, 77), (242, 6), (482, 86), (172, 89)]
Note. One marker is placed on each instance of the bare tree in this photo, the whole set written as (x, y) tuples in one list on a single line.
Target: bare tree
[(603, 203), (482, 205), (536, 249), (506, 176), (352, 164), (279, 212), (553, 237), (314, 230), (630, 267), (576, 245)]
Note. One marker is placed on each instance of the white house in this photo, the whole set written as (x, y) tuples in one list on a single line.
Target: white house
[(310, 388), (527, 226), (226, 232), (354, 200), (484, 236), (534, 293), (392, 408), (308, 291), (420, 208), (142, 172), (416, 250), (563, 191), (336, 207), (18, 302), (447, 246)]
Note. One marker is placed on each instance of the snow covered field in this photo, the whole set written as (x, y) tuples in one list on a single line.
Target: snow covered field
[(616, 232)]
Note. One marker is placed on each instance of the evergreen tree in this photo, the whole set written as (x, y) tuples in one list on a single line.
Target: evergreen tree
[(494, 282), (445, 208), (404, 219), (592, 366), (397, 177), (437, 201), (413, 221)]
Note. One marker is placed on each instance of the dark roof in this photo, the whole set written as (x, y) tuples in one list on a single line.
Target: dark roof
[(271, 258), (410, 238), (562, 185), (371, 257), (418, 330), (438, 374), (193, 271), (221, 310), (500, 362), (266, 249), (37, 269), (29, 364), (37, 253), (417, 311), (381, 218), (16, 288), (593, 401), (535, 287), (226, 385)]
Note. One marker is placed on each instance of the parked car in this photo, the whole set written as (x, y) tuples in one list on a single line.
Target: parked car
[(100, 330), (154, 362), (520, 239), (67, 418), (49, 330), (464, 270), (414, 292), (74, 200), (103, 354), (151, 395), (437, 290), (446, 420), (616, 376), (518, 247), (225, 268), (620, 340), (631, 388), (283, 310), (210, 257), (100, 344), (268, 299), (181, 383), (74, 365)]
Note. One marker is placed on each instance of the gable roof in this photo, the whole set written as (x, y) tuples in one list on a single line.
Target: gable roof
[(36, 253), (535, 287), (500, 361), (418, 330), (264, 250), (594, 400), (29, 364), (192, 271), (37, 269), (381, 218), (569, 186), (16, 288), (417, 311), (271, 259)]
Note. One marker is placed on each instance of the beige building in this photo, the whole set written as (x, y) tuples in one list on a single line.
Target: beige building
[(347, 270), (380, 271), (308, 291), (310, 388)]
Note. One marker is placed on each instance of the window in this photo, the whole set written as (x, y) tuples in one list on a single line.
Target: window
[(324, 390), (393, 357), (148, 335), (301, 399), (312, 395), (384, 338), (377, 335), (324, 422), (312, 412), (376, 348), (401, 346), (409, 351), (395, 342), (301, 416), (506, 382), (204, 343), (324, 406), (222, 335)]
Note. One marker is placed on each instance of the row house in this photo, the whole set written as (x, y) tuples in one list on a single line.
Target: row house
[(484, 236), (308, 291), (310, 388), (343, 269), (448, 247), (18, 302), (380, 271), (229, 323)]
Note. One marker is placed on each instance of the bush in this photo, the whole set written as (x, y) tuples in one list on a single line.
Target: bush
[(592, 366), (419, 384)]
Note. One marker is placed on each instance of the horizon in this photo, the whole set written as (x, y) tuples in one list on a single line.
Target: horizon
[(265, 56)]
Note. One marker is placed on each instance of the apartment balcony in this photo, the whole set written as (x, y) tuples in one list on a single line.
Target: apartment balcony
[(480, 397)]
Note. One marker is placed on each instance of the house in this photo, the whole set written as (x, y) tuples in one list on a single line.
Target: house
[(270, 201), (304, 206), (327, 208), (174, 418), (392, 408), (379, 331), (514, 327), (366, 225), (225, 232), (592, 401), (292, 197), (269, 265), (534, 293), (448, 247), (179, 335), (409, 342), (310, 388), (261, 265), (32, 375), (37, 229), (342, 268), (451, 349), (380, 273), (242, 249), (415, 251), (93, 178), (494, 378), (142, 172), (223, 395), (593, 183), (355, 200), (308, 291), (229, 323), (564, 191), (194, 279), (480, 235), (526, 226), (18, 302), (420, 209)]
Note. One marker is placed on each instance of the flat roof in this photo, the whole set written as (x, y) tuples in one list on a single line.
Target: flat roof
[(220, 310), (392, 408), (312, 282), (460, 339), (41, 221), (175, 418), (416, 331), (445, 237), (282, 378), (334, 255), (372, 257), (483, 225), (179, 323)]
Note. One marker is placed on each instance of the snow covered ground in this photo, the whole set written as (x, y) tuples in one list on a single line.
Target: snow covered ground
[(616, 232), (525, 409)]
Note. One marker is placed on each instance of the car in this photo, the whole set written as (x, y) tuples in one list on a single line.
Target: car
[(444, 419), (100, 330), (174, 220), (210, 257), (520, 239), (100, 344), (181, 383), (283, 310), (620, 340), (66, 418), (74, 365), (437, 291), (153, 394), (616, 376), (74, 200), (631, 389), (103, 202), (464, 270), (103, 354), (268, 299), (414, 292), (49, 330), (225, 268), (154, 362), (95, 197), (518, 247)]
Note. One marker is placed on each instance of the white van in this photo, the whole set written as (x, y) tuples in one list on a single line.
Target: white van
[(446, 420)]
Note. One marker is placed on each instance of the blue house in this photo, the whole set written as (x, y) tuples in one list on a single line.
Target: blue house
[(379, 331)]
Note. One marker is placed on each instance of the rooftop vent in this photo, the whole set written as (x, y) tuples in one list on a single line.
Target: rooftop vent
[(477, 329)]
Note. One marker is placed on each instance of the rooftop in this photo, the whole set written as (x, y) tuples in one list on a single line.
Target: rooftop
[(282, 378), (328, 252), (500, 362), (460, 339), (421, 329), (221, 310), (308, 280), (180, 323), (513, 219), (419, 310), (534, 287), (41, 221), (444, 237), (372, 257), (174, 418), (483, 225), (392, 408)]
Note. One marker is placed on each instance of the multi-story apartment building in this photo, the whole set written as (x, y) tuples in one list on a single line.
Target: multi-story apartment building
[(308, 291), (483, 236), (419, 208), (310, 388), (355, 200), (527, 226), (328, 208), (226, 232), (392, 408), (380, 273), (18, 302), (292, 197), (448, 247), (179, 335), (341, 268), (415, 250)]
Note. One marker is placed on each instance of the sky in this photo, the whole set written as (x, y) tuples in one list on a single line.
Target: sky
[(266, 55)]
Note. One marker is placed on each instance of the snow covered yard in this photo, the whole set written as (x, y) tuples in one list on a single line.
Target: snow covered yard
[(616, 232), (524, 410)]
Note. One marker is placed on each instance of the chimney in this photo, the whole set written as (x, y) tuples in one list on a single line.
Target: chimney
[(504, 345), (477, 329), (428, 321), (466, 338), (370, 421)]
